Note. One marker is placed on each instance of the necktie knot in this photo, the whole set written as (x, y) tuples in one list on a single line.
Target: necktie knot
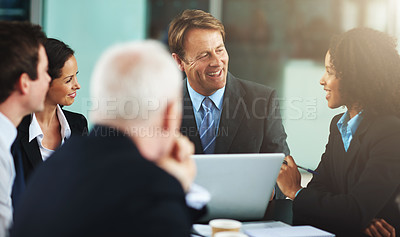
[(207, 104)]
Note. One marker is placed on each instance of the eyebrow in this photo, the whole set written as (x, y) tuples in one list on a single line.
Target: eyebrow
[(202, 52), (68, 76), (71, 75)]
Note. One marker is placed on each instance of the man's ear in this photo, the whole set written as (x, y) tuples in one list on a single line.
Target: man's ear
[(23, 84), (179, 61), (171, 116)]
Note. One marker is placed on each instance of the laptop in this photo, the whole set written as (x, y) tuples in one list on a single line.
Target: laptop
[(240, 184)]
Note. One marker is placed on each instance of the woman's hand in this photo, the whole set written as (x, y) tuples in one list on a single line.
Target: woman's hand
[(289, 178), (380, 228)]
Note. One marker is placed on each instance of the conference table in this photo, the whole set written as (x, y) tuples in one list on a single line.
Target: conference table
[(279, 210)]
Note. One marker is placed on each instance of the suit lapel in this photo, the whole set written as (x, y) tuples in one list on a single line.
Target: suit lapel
[(355, 143), (72, 123), (189, 127), (31, 149), (233, 111)]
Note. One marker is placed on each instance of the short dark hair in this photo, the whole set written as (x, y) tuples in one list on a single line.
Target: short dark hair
[(19, 53), (187, 20), (368, 65), (57, 53)]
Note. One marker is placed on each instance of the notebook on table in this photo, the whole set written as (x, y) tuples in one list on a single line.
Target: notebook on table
[(240, 184)]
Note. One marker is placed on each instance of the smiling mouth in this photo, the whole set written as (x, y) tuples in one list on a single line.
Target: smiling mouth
[(328, 93), (215, 74), (72, 95)]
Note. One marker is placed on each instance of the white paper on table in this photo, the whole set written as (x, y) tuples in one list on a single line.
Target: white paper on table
[(288, 231), (205, 230)]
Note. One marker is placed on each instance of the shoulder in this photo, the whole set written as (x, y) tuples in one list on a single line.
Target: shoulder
[(73, 117), (249, 85), (386, 125), (76, 121), (248, 89)]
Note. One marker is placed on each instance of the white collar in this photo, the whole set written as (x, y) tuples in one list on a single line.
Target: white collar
[(65, 129), (35, 130), (8, 131), (197, 98)]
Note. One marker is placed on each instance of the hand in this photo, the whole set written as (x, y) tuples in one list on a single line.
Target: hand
[(289, 178), (179, 162), (380, 228), (272, 195)]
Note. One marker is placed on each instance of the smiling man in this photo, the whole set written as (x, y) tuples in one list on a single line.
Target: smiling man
[(222, 114)]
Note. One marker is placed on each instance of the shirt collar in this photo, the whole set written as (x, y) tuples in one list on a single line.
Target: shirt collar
[(8, 131), (197, 99), (35, 130), (65, 129), (352, 123)]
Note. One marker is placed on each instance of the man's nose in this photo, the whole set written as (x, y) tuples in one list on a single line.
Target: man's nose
[(215, 60)]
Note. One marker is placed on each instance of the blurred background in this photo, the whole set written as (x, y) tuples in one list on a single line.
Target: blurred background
[(278, 43)]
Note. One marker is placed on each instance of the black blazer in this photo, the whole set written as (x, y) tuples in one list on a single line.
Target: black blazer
[(250, 120), (354, 187), (31, 156), (100, 185)]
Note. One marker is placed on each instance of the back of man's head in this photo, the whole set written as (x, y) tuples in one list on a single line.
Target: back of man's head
[(187, 20), (134, 81), (19, 53)]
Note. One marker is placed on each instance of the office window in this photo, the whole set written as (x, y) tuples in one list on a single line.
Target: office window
[(15, 10), (161, 12)]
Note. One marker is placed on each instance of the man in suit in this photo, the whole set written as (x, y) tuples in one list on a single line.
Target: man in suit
[(221, 113), (245, 116), (23, 85), (129, 176)]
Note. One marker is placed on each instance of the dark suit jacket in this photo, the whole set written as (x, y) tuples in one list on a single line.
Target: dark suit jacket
[(100, 185), (354, 187), (250, 120), (31, 156)]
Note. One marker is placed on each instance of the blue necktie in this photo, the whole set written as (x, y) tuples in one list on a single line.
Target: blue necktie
[(207, 128), (19, 181)]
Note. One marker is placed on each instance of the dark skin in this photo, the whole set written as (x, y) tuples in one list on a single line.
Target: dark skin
[(289, 181)]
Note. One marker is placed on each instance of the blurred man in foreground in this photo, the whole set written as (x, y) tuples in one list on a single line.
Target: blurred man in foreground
[(129, 176), (23, 86)]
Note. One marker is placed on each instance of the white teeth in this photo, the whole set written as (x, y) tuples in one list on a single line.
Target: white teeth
[(214, 73)]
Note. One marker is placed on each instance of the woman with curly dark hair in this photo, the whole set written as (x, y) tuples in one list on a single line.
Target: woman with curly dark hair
[(358, 178)]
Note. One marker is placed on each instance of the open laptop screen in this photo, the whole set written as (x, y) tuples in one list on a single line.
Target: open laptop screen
[(240, 184)]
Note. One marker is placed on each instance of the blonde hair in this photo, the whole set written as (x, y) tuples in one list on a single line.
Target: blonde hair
[(187, 20)]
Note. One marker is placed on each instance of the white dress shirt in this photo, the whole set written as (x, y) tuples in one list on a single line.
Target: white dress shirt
[(8, 133), (36, 132)]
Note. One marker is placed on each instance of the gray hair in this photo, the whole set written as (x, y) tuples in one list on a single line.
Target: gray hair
[(134, 81)]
